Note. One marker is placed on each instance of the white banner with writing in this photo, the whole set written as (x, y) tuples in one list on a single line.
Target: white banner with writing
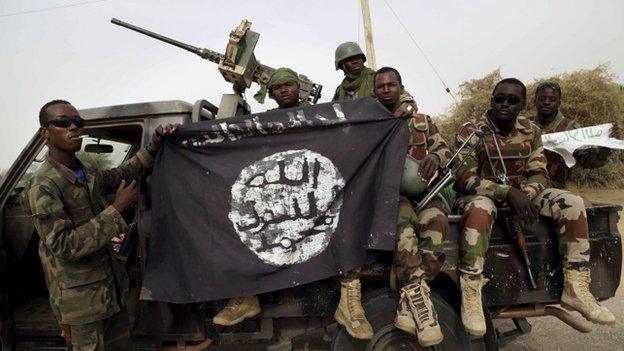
[(564, 143)]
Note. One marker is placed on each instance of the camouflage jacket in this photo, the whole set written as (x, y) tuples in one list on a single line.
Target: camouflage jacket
[(523, 155), (586, 158), (85, 281), (424, 138)]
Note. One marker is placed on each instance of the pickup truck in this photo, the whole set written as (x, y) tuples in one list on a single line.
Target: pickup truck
[(299, 318)]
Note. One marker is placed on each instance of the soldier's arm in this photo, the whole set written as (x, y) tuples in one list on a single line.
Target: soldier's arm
[(59, 234), (536, 173), (592, 157), (436, 144), (468, 180), (128, 171), (407, 97)]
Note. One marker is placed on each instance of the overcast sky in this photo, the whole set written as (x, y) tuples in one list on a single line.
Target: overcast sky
[(75, 53)]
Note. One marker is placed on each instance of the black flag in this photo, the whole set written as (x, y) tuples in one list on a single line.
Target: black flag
[(262, 202)]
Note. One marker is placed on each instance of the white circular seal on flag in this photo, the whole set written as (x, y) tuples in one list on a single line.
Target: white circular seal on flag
[(285, 207)]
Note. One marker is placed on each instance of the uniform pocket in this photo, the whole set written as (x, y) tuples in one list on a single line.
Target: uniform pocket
[(92, 300)]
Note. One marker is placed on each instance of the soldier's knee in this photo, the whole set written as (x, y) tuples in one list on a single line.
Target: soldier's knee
[(482, 205), (573, 200)]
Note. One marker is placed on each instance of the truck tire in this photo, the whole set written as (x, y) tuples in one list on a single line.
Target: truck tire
[(380, 307)]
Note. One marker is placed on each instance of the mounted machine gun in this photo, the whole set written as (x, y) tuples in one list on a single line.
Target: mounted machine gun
[(238, 66)]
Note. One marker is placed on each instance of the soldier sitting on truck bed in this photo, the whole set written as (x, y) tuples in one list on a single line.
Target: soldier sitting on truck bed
[(283, 87), (513, 151), (358, 81), (420, 236), (88, 287), (551, 120)]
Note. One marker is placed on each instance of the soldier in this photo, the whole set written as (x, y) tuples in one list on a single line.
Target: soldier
[(283, 86), (88, 287), (358, 81), (529, 195), (420, 236), (551, 120)]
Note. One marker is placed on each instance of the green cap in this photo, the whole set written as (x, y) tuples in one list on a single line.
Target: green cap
[(346, 50), (279, 76)]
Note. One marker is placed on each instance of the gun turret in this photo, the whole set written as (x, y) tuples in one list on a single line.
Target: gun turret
[(239, 65)]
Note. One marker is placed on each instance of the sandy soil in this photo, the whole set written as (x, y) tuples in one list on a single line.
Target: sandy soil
[(551, 334)]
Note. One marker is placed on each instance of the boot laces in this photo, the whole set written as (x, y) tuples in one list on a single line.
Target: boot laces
[(584, 294), (473, 300), (234, 303), (354, 301), (422, 306)]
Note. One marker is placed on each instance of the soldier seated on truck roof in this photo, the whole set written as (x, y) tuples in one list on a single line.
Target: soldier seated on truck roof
[(283, 87), (509, 167), (420, 236)]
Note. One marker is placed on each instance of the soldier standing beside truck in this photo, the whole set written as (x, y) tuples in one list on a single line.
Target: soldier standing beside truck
[(551, 120), (88, 287), (512, 153), (420, 236)]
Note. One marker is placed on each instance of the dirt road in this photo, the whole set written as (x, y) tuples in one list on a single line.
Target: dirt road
[(551, 334)]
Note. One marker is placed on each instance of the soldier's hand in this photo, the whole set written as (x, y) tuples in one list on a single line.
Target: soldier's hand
[(160, 132), (522, 206), (406, 110), (429, 166), (126, 196), (615, 131)]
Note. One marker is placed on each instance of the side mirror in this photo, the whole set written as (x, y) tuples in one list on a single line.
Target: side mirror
[(98, 148)]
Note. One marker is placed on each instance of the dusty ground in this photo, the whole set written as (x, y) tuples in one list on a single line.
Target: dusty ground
[(551, 334)]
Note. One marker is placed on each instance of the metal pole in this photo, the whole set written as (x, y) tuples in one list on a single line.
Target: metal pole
[(368, 35)]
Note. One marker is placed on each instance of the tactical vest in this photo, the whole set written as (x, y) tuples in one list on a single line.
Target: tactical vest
[(515, 150), (418, 131)]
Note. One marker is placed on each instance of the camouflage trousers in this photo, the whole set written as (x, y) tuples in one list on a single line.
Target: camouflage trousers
[(420, 241), (566, 209), (112, 333)]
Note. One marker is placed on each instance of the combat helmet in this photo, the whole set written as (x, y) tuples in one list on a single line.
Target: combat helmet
[(345, 50), (412, 184)]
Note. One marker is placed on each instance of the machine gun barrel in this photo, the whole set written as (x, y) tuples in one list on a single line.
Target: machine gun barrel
[(202, 52)]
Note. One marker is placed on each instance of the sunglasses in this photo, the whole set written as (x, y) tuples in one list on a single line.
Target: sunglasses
[(551, 85), (511, 99), (66, 122)]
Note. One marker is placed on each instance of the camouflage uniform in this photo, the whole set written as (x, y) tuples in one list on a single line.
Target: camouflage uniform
[(524, 158), (594, 157), (421, 236), (88, 286)]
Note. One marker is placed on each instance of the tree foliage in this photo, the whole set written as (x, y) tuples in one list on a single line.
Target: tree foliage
[(589, 96)]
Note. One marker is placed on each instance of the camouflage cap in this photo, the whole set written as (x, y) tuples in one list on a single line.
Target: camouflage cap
[(279, 76)]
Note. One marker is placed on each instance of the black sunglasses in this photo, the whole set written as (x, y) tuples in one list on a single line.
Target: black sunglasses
[(511, 99), (66, 122)]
